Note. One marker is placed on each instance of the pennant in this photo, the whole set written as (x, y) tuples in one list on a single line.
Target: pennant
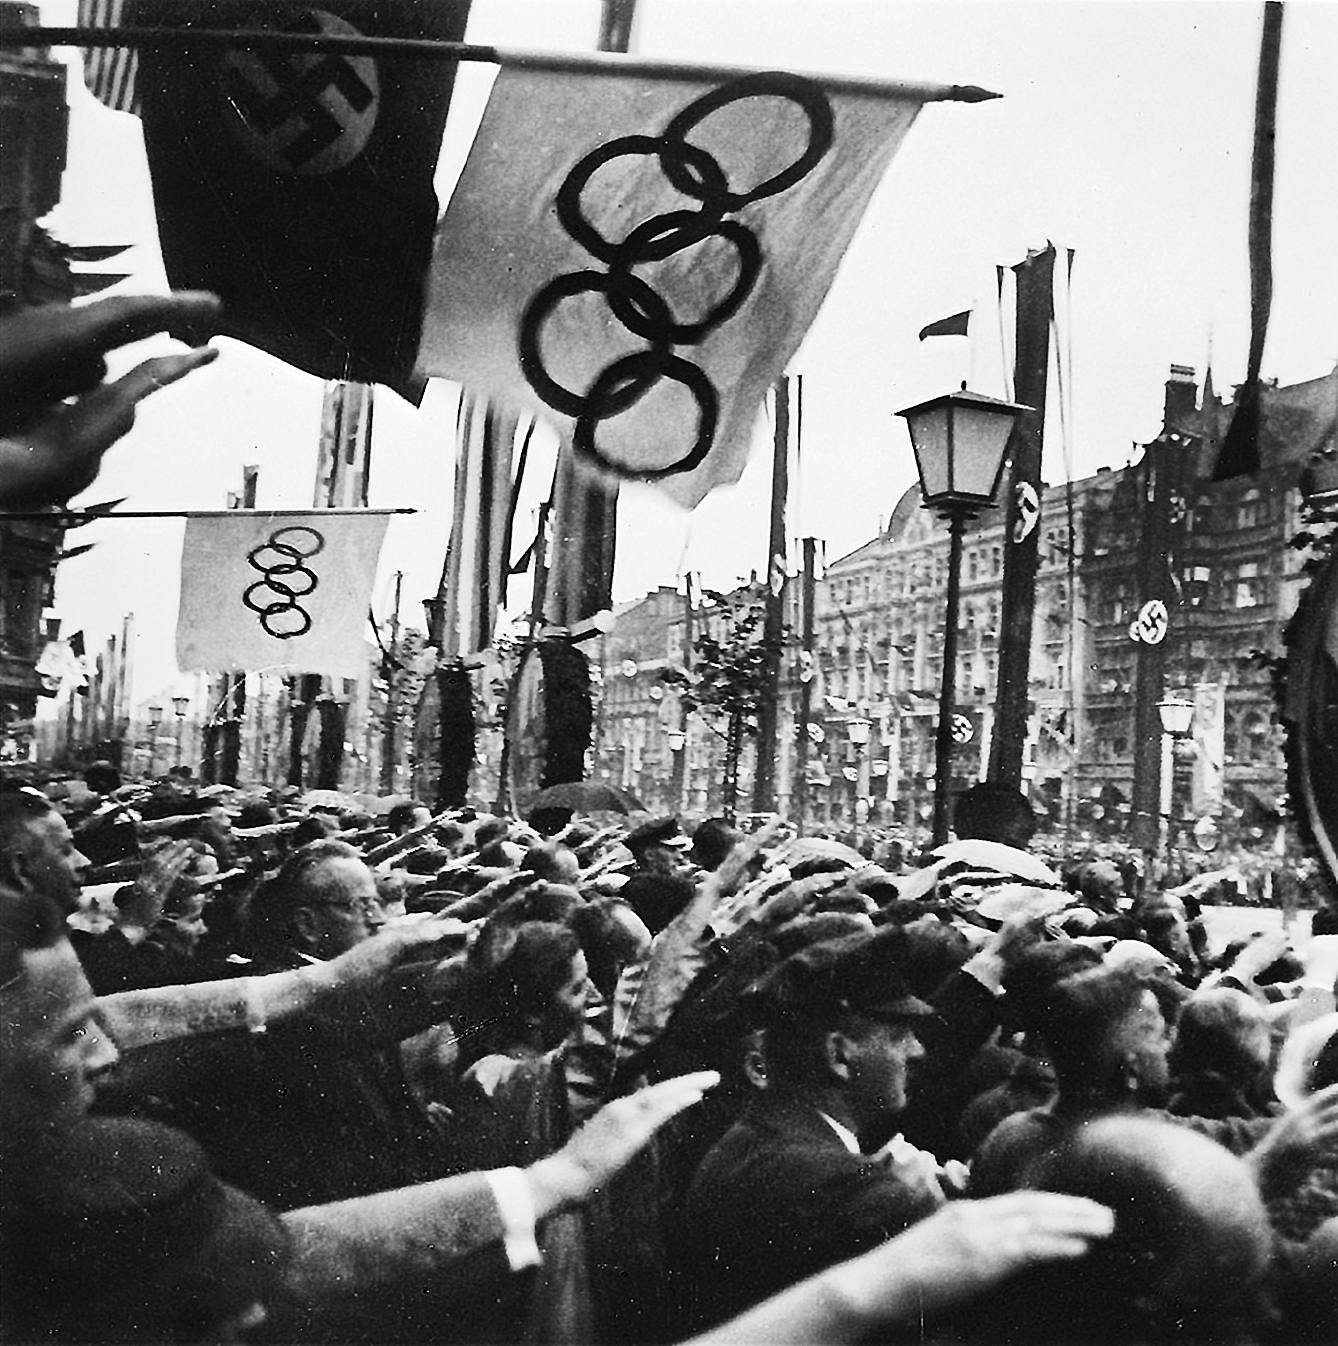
[(955, 325), (635, 254), (277, 592), (1239, 453), (298, 186)]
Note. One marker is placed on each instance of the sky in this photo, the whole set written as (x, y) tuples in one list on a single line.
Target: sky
[(1123, 133)]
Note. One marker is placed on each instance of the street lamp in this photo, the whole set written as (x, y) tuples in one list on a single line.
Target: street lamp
[(857, 731), (180, 704), (959, 441), (1177, 715), (155, 720)]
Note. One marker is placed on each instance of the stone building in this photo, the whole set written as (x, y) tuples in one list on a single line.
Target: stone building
[(1223, 557)]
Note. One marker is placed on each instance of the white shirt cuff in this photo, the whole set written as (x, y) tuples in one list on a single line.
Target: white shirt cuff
[(515, 1203)]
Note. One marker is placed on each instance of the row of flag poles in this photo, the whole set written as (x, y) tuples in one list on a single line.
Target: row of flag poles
[(633, 253)]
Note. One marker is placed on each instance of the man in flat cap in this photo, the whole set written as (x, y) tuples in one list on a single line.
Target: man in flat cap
[(662, 885), (788, 1190)]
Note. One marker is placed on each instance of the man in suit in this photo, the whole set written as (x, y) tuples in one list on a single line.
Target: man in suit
[(788, 1190), (318, 1108)]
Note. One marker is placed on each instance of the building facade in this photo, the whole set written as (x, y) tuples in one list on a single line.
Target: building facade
[(1221, 554)]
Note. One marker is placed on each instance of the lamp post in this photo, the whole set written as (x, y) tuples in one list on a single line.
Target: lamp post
[(1177, 715), (180, 704), (154, 722), (857, 731), (959, 442)]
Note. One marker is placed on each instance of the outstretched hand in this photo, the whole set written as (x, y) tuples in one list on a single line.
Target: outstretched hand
[(613, 1136), (57, 416), (409, 948), (968, 1247), (1295, 1141)]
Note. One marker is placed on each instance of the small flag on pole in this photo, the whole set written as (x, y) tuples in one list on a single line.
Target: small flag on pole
[(956, 325), (279, 592)]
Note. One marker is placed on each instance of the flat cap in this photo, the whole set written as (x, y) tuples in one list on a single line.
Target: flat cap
[(656, 832), (856, 973)]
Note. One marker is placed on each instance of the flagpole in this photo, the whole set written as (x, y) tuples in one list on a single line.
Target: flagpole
[(85, 516), (431, 49), (768, 714)]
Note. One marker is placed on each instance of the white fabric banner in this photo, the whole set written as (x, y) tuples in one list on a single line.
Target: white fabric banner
[(1209, 730), (636, 259), (277, 592)]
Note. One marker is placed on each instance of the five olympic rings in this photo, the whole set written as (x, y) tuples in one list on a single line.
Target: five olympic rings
[(286, 579), (645, 313)]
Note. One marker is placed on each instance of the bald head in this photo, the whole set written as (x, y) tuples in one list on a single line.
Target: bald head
[(1188, 1256)]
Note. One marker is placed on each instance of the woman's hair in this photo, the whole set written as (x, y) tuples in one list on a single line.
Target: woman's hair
[(1077, 1021), (1221, 1031)]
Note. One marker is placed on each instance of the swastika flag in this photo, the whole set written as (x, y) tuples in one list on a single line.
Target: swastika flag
[(298, 185), (277, 592), (634, 252)]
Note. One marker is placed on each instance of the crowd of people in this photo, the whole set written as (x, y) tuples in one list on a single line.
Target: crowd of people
[(275, 1070)]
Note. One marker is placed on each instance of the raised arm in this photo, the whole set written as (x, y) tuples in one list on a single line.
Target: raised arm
[(943, 1261), (354, 1245)]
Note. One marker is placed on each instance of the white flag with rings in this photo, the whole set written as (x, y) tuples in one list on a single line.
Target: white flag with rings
[(279, 592), (634, 255)]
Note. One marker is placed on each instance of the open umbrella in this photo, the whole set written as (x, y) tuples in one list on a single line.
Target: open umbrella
[(586, 796)]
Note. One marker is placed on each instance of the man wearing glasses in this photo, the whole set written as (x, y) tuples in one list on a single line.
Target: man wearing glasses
[(317, 1108), (319, 905)]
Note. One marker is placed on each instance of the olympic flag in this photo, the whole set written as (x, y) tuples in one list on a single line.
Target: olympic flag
[(634, 255), (277, 592)]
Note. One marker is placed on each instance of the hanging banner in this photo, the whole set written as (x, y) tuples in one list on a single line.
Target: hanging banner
[(635, 255), (1209, 748), (277, 592)]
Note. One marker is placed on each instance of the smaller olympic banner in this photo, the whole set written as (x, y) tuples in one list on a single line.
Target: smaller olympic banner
[(279, 592)]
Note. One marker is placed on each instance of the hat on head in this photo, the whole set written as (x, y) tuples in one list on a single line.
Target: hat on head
[(656, 832), (856, 973), (129, 1212)]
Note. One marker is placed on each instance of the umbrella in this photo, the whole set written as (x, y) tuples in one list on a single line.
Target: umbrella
[(586, 796), (821, 848)]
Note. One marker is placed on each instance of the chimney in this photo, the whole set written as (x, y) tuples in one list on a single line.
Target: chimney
[(1181, 400)]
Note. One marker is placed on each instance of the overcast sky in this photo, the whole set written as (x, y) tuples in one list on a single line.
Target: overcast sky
[(1123, 132)]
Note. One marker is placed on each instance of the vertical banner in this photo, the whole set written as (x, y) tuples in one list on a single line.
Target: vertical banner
[(344, 461), (1209, 747)]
